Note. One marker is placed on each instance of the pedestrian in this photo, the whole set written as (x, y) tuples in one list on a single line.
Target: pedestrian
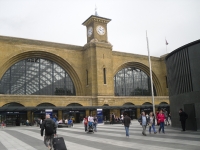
[(95, 123), (70, 122), (161, 119), (55, 119), (183, 117), (50, 130), (113, 118), (27, 123), (151, 121), (126, 122), (2, 125), (85, 122), (158, 123), (166, 118), (41, 123), (143, 121)]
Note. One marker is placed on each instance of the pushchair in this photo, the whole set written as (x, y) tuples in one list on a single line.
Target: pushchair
[(90, 127)]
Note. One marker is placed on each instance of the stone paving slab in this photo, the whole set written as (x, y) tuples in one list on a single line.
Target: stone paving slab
[(108, 137)]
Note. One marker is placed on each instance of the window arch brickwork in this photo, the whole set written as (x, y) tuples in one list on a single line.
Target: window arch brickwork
[(36, 76), (132, 81)]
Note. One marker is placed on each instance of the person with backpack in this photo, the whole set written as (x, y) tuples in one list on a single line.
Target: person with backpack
[(85, 122), (50, 130)]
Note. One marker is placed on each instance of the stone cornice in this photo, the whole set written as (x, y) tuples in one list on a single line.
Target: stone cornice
[(96, 43), (18, 41), (115, 53), (93, 18)]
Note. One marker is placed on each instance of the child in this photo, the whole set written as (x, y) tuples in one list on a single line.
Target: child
[(2, 125)]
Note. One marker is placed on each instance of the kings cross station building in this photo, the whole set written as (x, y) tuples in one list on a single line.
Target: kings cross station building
[(75, 81)]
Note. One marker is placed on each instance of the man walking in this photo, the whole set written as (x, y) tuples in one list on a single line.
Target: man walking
[(126, 122), (143, 121), (50, 129), (183, 117)]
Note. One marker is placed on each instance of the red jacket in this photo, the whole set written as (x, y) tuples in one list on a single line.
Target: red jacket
[(85, 120), (161, 117)]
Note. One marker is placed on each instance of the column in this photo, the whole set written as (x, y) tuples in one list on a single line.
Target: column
[(138, 113), (29, 116), (60, 115)]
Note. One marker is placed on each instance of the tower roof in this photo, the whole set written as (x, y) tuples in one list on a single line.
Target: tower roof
[(96, 19)]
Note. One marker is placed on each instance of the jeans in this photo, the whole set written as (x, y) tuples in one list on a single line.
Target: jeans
[(127, 131), (85, 127), (162, 127), (153, 127), (95, 126), (48, 139), (144, 129)]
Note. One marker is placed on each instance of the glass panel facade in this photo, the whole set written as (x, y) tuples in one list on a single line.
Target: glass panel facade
[(36, 76), (132, 82)]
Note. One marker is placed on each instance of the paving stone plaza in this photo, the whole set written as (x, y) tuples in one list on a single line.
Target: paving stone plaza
[(108, 137)]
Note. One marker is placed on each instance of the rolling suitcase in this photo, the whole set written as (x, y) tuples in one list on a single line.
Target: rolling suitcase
[(59, 143)]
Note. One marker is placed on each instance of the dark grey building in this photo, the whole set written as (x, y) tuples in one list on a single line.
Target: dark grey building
[(183, 75)]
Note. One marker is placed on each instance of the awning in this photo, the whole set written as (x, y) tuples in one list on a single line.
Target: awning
[(34, 109)]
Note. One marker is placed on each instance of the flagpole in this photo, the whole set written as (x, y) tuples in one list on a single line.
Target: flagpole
[(150, 75), (166, 48)]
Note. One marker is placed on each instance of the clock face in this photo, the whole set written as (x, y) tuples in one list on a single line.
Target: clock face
[(90, 30), (100, 30)]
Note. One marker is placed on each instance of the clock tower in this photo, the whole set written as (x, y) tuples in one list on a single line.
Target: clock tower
[(96, 28), (98, 59)]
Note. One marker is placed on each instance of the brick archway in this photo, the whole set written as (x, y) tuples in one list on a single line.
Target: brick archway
[(145, 69), (45, 55)]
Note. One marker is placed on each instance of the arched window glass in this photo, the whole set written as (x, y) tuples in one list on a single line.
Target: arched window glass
[(36, 76), (132, 82)]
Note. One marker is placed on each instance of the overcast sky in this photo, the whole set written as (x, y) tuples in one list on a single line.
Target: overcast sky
[(61, 21)]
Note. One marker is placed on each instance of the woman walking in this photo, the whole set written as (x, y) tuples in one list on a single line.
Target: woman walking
[(161, 119), (85, 122), (151, 121)]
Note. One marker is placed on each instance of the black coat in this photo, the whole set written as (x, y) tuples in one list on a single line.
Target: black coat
[(127, 121), (140, 120), (183, 116), (43, 127)]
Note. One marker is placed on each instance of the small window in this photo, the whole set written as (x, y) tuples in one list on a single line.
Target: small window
[(87, 77), (104, 75), (166, 82)]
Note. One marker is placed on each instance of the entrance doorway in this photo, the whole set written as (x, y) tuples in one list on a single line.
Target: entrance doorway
[(106, 114), (76, 115), (131, 112), (191, 123), (13, 118)]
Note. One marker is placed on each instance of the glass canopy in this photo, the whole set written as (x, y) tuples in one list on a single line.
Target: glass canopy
[(132, 82), (36, 76)]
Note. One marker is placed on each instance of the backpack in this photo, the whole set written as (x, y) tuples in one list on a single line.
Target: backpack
[(49, 127)]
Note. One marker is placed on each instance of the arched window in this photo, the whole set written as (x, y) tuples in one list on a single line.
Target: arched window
[(36, 76), (13, 104), (45, 105), (132, 82), (74, 104)]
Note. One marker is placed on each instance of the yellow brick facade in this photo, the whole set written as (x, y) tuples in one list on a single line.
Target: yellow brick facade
[(76, 60)]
